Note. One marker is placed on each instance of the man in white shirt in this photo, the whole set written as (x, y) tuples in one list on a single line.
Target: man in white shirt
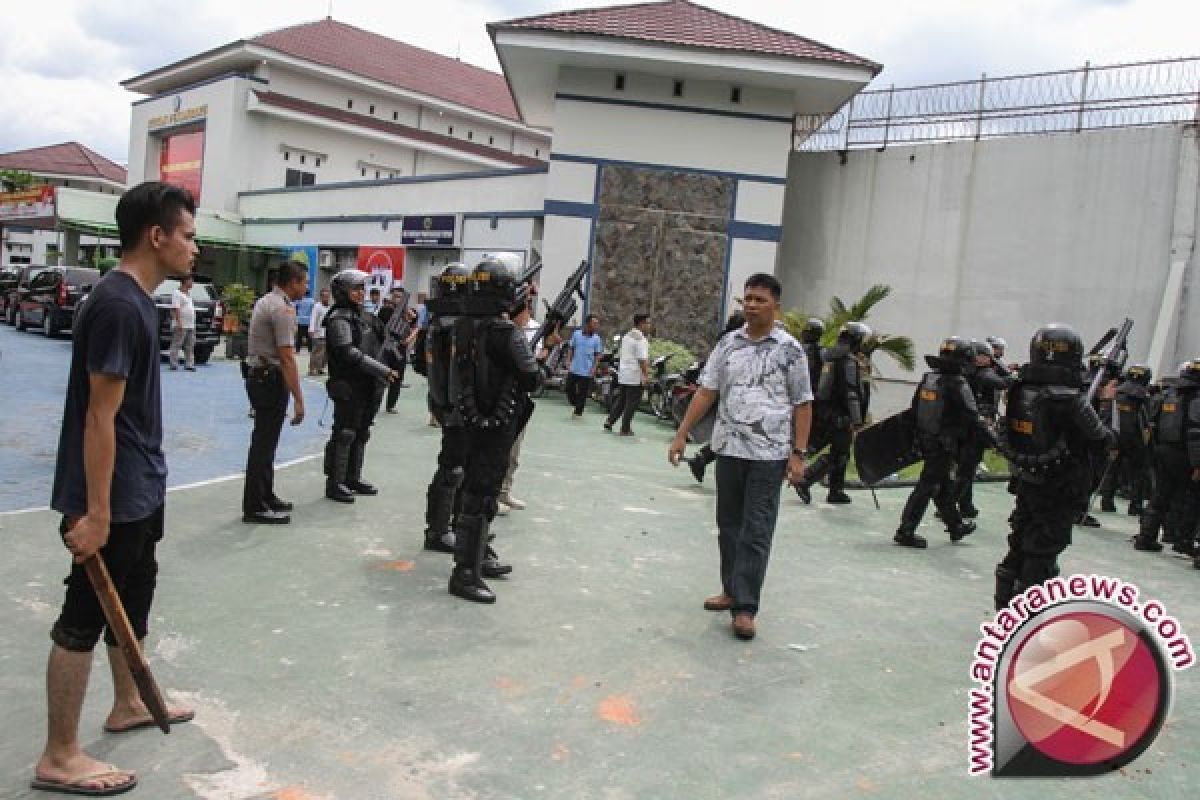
[(316, 334), (183, 326), (633, 373)]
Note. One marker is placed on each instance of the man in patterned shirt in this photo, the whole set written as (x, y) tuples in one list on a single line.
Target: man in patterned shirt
[(760, 375)]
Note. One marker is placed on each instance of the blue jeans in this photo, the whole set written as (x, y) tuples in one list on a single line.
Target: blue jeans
[(747, 505)]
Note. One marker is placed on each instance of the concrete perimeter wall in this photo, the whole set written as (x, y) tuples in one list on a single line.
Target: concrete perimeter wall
[(998, 237)]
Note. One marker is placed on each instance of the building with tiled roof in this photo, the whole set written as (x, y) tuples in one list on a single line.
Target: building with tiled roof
[(66, 164)]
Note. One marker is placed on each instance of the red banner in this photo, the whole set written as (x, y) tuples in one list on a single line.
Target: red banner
[(385, 265), (37, 202), (182, 161)]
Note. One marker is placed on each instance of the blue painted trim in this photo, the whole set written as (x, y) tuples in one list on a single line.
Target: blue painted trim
[(325, 220), (755, 231), (532, 214), (712, 112), (451, 176), (565, 208), (601, 162), (222, 77)]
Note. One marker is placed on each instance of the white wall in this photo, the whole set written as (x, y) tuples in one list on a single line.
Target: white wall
[(996, 237)]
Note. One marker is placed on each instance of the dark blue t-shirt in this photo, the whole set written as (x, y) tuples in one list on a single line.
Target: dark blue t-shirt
[(115, 333)]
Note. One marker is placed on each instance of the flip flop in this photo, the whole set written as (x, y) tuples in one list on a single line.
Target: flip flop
[(174, 719), (76, 786)]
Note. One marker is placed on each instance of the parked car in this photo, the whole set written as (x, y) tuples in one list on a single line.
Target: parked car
[(13, 294), (208, 318), (49, 302)]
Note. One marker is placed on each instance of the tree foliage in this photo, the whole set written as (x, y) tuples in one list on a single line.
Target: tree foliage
[(898, 348)]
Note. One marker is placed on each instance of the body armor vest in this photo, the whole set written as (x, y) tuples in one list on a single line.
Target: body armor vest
[(812, 351), (442, 365), (366, 333), (488, 399), (1172, 415), (1026, 436), (1132, 422), (931, 404)]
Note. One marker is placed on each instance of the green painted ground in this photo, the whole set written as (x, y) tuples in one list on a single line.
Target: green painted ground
[(326, 660)]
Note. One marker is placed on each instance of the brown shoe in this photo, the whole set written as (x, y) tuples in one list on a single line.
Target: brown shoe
[(743, 625), (718, 602)]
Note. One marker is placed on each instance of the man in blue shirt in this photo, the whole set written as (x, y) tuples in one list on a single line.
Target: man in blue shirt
[(584, 348), (304, 309)]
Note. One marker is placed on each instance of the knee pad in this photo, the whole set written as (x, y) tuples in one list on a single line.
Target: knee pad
[(74, 640), (1036, 570), (451, 478), (345, 437)]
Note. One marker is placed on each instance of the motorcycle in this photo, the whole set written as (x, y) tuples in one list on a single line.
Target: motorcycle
[(683, 390), (659, 390), (605, 381)]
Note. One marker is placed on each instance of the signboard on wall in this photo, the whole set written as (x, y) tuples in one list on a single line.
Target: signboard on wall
[(307, 255), (432, 231), (384, 264), (181, 161), (36, 202)]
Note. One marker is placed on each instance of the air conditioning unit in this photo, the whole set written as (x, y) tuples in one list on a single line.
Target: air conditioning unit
[(326, 259)]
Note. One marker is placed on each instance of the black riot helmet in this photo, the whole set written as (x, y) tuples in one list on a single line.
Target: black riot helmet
[(493, 287), (1056, 345), (1139, 374), (344, 282), (1189, 371), (998, 346), (854, 334), (957, 350), (450, 282), (813, 330), (982, 347)]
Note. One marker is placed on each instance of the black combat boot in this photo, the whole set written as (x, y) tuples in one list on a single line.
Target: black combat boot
[(338, 461), (908, 538), (957, 532), (837, 497), (1147, 545), (354, 481), (1135, 509), (1107, 505), (968, 511), (466, 581), (1006, 586), (492, 567)]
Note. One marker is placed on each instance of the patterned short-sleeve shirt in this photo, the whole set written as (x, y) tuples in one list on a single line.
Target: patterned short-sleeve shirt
[(760, 384)]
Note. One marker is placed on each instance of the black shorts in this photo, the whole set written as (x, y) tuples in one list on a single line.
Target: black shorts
[(129, 556)]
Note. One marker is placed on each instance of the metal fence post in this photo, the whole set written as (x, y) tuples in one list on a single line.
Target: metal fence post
[(849, 119), (979, 106), (887, 118), (1087, 66)]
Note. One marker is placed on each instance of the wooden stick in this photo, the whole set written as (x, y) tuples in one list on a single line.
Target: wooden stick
[(118, 623)]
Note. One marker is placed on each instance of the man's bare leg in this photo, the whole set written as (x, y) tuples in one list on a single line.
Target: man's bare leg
[(63, 759), (128, 709)]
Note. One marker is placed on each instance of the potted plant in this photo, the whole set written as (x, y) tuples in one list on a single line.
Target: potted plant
[(238, 301)]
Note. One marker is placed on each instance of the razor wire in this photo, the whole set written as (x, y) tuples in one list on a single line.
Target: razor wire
[(1065, 101)]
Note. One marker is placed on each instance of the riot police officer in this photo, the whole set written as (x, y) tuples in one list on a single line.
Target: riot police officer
[(946, 415), (1176, 503), (987, 385), (480, 371), (842, 399), (357, 379), (1050, 434), (1132, 426), (810, 340)]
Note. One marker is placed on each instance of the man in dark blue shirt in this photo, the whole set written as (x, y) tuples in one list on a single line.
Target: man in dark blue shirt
[(110, 479)]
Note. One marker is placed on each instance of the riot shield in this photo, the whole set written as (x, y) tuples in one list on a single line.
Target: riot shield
[(886, 447)]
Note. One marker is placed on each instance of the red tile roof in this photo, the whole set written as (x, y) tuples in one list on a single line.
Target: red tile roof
[(68, 158), (341, 115), (341, 46), (683, 23)]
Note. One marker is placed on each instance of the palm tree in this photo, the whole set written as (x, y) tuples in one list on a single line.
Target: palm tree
[(899, 348)]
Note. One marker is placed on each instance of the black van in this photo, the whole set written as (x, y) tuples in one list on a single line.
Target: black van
[(49, 302)]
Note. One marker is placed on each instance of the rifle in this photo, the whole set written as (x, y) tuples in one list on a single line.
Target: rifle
[(1115, 356), (565, 305)]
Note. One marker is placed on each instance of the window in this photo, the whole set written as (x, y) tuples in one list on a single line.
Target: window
[(376, 174), (286, 155), (470, 135), (491, 140), (537, 153), (735, 94), (317, 161), (678, 91), (350, 104), (619, 83), (363, 171), (395, 116), (302, 157), (297, 177), (450, 131), (372, 110)]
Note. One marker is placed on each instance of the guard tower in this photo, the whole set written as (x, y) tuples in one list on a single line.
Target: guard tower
[(672, 128)]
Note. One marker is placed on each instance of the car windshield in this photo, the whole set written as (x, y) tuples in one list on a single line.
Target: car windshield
[(201, 292)]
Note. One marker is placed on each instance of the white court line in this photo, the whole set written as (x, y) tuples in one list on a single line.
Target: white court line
[(196, 485)]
